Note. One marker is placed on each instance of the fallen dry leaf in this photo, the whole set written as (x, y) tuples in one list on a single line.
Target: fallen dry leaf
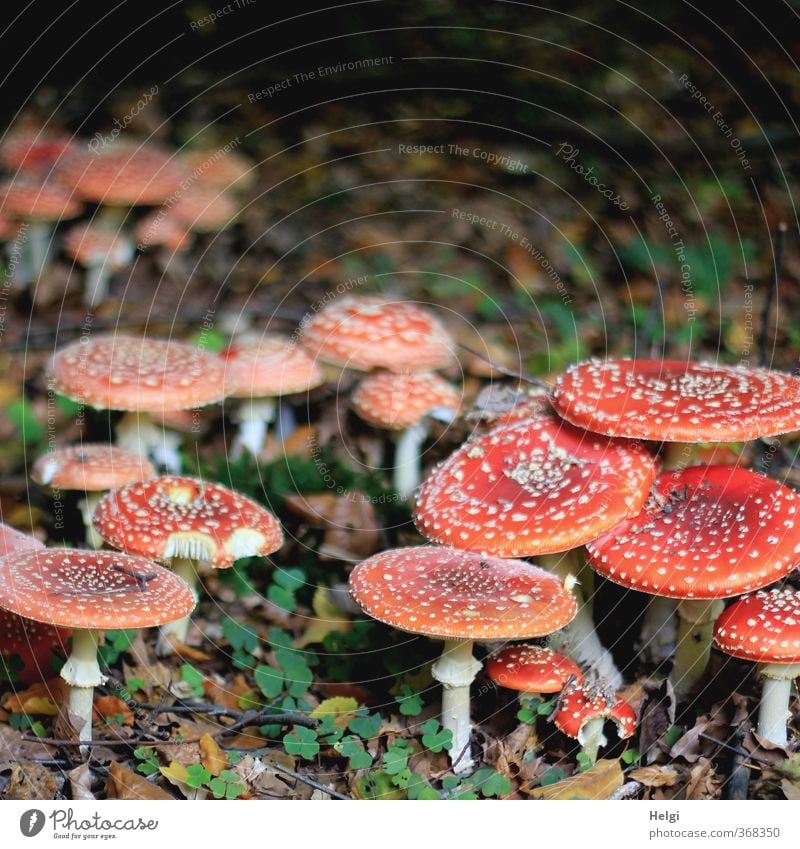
[(32, 781), (655, 776), (211, 756), (42, 698), (106, 707), (599, 782), (124, 783), (80, 782)]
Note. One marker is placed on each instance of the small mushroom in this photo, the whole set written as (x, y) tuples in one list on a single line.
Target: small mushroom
[(582, 713), (765, 628), (101, 250), (532, 670), (141, 376), (460, 597), (190, 525), (404, 402), (91, 468), (367, 332), (260, 370), (707, 534), (90, 592)]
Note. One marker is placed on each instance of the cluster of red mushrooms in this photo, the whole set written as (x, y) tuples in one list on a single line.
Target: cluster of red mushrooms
[(99, 202), (584, 477)]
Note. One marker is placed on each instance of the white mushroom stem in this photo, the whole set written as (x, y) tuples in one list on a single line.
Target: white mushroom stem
[(658, 634), (408, 451), (40, 236), (591, 737), (255, 416), (95, 285), (696, 619), (455, 670), (776, 690), (166, 454), (186, 568), (138, 433), (286, 423), (87, 507), (579, 639), (82, 673)]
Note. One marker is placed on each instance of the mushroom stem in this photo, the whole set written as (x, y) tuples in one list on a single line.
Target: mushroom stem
[(696, 619), (138, 433), (455, 670), (186, 568), (165, 452), (591, 737), (255, 415), (776, 690), (39, 241), (286, 423), (657, 636), (95, 285), (87, 507), (579, 639), (407, 458), (82, 673)]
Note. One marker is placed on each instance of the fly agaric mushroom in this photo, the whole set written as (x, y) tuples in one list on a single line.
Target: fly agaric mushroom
[(204, 209), (536, 488), (403, 402), (676, 401), (141, 376), (232, 171), (460, 597), (91, 468), (26, 646), (707, 534), (160, 228), (370, 332), (42, 206), (765, 627), (532, 670), (33, 150), (582, 713), (121, 174), (101, 250), (90, 592), (188, 524), (259, 370)]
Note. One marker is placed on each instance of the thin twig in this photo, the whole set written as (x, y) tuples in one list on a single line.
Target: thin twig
[(264, 717), (304, 779), (142, 740), (525, 378), (771, 293)]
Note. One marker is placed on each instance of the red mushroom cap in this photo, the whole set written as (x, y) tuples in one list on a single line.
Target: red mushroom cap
[(258, 367), (32, 200), (398, 401), (532, 669), (204, 209), (178, 516), (228, 170), (33, 150), (579, 705), (709, 532), (93, 244), (121, 174), (103, 590), (160, 227), (118, 372), (441, 592), (536, 487), (675, 401), (90, 467), (12, 540), (369, 332), (762, 627)]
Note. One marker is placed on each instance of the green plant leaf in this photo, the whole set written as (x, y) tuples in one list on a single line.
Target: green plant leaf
[(193, 677), (366, 726), (436, 738), (269, 680), (301, 742)]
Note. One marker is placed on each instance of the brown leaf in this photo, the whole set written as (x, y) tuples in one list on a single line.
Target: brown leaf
[(14, 749), (790, 790), (112, 706), (599, 782), (41, 698), (702, 782), (656, 717), (80, 781), (655, 776), (211, 756), (124, 783), (32, 781), (691, 746)]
